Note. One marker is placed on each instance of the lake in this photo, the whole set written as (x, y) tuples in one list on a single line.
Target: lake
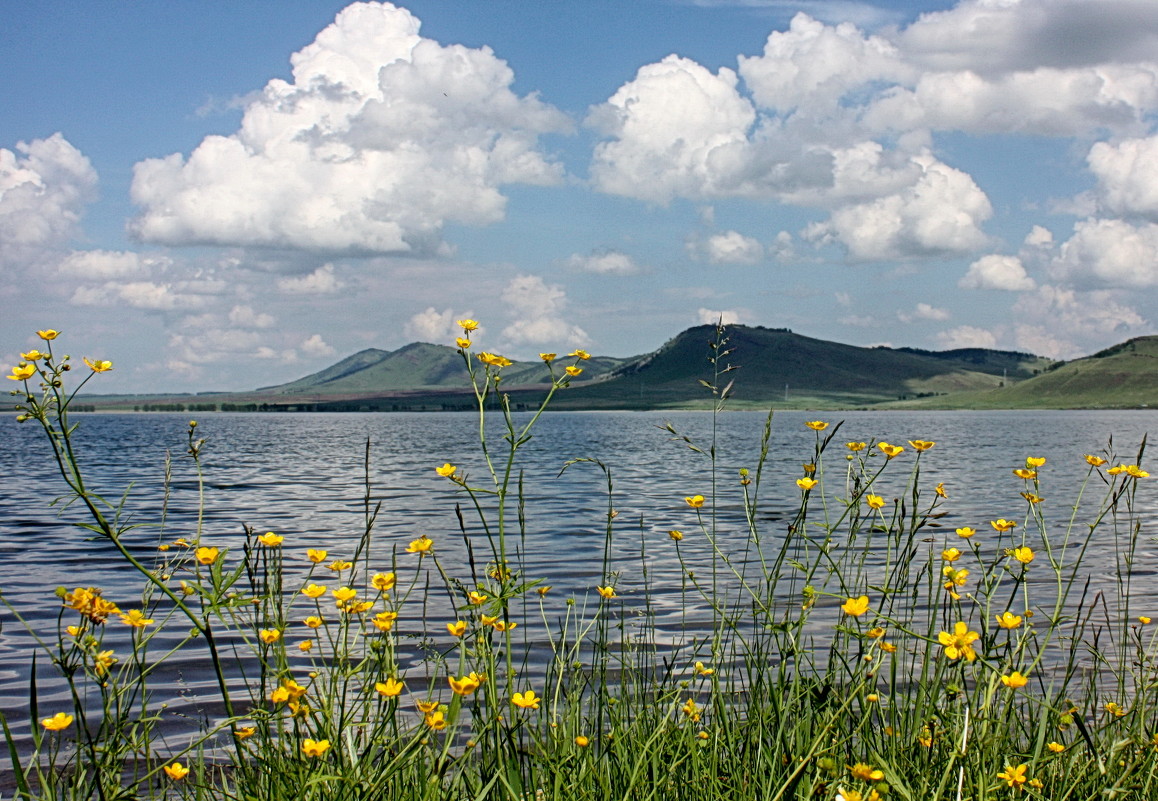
[(302, 475)]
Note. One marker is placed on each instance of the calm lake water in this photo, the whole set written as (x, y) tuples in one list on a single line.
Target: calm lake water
[(302, 476)]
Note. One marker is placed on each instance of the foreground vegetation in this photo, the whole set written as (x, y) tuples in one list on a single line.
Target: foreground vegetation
[(859, 652)]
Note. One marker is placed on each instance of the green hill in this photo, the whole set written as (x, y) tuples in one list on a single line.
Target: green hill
[(1122, 376)]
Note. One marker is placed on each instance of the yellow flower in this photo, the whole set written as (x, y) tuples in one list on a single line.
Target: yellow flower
[(271, 540), (48, 335), (136, 618), (99, 366), (866, 773), (421, 546), (694, 501), (314, 590), (464, 686), (58, 722), (269, 636), (1003, 525), (951, 554), (1136, 472), (960, 642), (1008, 620), (1144, 620), (806, 483), (676, 535), (343, 594), (1014, 776), (703, 670), (390, 688), (206, 555), (607, 592), (22, 372), (890, 450), (384, 621), (546, 588), (245, 732), (457, 629), (446, 471), (691, 710), (305, 646), (435, 720), (502, 625), (1029, 496), (462, 342), (855, 446), (383, 582), (921, 444), (966, 532), (76, 631), (1015, 680), (426, 707), (874, 501), (1034, 461), (572, 371), (338, 565), (855, 606), (468, 325), (527, 700), (1095, 461), (315, 748), (1115, 710), (547, 357), (582, 355), (494, 360), (176, 771), (488, 620), (817, 425), (875, 633), (582, 741), (940, 489), (316, 556), (888, 648), (1056, 747), (1024, 554), (476, 598), (1117, 470), (1022, 472)]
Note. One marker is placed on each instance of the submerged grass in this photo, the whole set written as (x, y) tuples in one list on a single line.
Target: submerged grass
[(858, 653)]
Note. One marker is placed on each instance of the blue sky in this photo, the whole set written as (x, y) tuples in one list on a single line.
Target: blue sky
[(222, 195)]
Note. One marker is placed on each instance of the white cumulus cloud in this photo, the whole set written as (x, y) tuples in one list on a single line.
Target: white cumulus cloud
[(605, 262), (380, 139), (966, 336), (1127, 174), (923, 311), (432, 325), (321, 281), (724, 316), (730, 247), (1110, 253), (997, 272), (537, 308)]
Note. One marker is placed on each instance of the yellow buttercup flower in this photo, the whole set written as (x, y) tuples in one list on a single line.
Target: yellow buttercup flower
[(457, 629), (582, 355), (464, 686), (99, 366), (1056, 747), (1025, 473), (676, 535), (921, 444), (314, 590), (527, 700), (314, 622), (271, 540), (58, 722), (694, 501), (546, 588), (1003, 525), (1015, 680), (855, 606), (806, 483), (136, 618), (855, 446), (343, 594), (22, 372), (476, 598), (305, 646), (384, 621), (1014, 776), (48, 335), (390, 688), (1008, 620), (1029, 496), (316, 555), (1024, 554), (315, 748), (874, 501), (1034, 461), (462, 342), (468, 325), (703, 670), (206, 555), (572, 371), (960, 642), (816, 425), (940, 489), (245, 732), (488, 620), (176, 771), (1136, 472), (607, 592), (269, 636), (875, 633), (421, 546), (888, 450), (692, 710), (951, 554), (502, 625), (966, 532), (1117, 470), (383, 582), (1115, 709), (446, 471), (547, 357), (582, 741), (338, 565), (494, 360), (1095, 461), (1144, 620), (866, 773), (436, 720)]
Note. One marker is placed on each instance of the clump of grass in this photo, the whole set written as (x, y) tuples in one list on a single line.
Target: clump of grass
[(858, 653)]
